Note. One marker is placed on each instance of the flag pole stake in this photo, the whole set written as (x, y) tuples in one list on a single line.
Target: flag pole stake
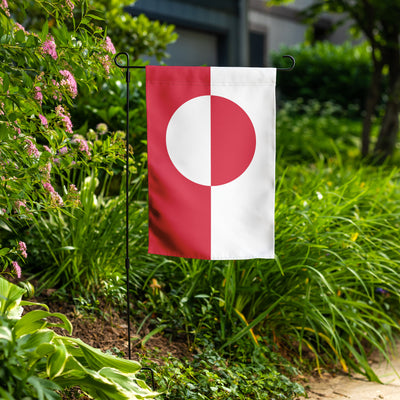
[(127, 262)]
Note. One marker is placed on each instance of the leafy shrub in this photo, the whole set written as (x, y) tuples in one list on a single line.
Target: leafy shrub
[(327, 72), (36, 362), (210, 376), (308, 131), (41, 73)]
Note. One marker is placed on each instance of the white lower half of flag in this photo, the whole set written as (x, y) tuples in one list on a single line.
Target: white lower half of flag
[(211, 138)]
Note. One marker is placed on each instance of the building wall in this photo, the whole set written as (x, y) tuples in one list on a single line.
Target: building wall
[(230, 32), (209, 30)]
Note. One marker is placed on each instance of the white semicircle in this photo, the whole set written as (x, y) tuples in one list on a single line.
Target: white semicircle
[(188, 140)]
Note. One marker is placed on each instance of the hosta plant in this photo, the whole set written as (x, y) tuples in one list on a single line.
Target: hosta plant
[(36, 362)]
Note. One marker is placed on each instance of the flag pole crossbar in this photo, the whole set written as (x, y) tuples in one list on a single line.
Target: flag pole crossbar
[(127, 262)]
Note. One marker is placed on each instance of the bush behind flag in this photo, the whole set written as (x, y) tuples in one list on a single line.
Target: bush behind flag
[(211, 161)]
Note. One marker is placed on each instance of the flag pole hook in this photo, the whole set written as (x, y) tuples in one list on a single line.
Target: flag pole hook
[(291, 66)]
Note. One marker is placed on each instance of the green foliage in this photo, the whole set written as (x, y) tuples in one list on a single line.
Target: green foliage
[(210, 376), (308, 131), (138, 36), (36, 362), (327, 72), (89, 111), (322, 295), (84, 247)]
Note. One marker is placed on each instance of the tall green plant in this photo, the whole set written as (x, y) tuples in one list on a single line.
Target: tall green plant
[(333, 289), (82, 248)]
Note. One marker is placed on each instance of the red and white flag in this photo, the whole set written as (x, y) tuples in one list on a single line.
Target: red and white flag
[(211, 160)]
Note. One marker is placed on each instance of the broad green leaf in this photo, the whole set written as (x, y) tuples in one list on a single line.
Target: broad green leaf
[(20, 36), (4, 251), (45, 349), (46, 390), (96, 359), (10, 298), (5, 333), (36, 339), (35, 320), (128, 383), (56, 362)]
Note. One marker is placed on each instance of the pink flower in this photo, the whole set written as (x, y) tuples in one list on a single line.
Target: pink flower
[(16, 128), (69, 82), (32, 150), (19, 27), (22, 249), (43, 120), (49, 47), (38, 95), (106, 62), (18, 204), (47, 148), (63, 150), (71, 6), (48, 186), (56, 199), (108, 45), (17, 268), (83, 144), (46, 170), (4, 6), (73, 195), (65, 117)]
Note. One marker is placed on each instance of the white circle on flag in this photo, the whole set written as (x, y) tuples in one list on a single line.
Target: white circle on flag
[(210, 140)]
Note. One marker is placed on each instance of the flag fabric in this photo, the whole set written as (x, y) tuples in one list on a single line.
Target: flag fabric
[(211, 161)]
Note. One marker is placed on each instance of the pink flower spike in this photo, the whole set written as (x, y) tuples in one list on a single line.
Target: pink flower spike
[(32, 150), (49, 47), (18, 204), (17, 268), (43, 120), (69, 82), (108, 45), (4, 6), (38, 95), (60, 112), (48, 186), (22, 249)]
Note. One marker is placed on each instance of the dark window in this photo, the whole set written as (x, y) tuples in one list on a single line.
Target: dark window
[(257, 49)]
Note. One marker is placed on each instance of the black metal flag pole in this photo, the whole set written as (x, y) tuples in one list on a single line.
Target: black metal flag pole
[(127, 262)]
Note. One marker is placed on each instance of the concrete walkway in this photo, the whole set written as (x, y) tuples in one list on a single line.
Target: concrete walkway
[(343, 387)]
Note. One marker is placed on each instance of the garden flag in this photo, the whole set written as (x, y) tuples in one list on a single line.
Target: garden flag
[(211, 160)]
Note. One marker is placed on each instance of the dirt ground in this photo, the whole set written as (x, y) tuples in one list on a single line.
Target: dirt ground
[(343, 387)]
